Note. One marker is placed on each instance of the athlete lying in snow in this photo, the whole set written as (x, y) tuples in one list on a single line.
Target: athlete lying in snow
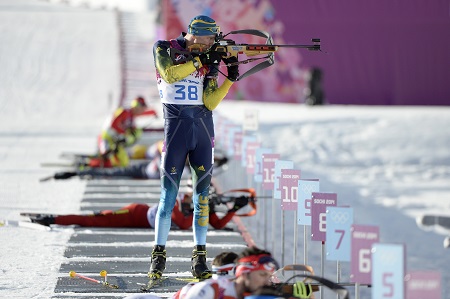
[(148, 169), (139, 215)]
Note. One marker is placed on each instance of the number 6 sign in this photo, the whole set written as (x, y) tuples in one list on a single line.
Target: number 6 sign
[(362, 239)]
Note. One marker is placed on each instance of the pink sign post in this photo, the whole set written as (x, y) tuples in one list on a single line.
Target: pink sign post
[(230, 131), (250, 153), (320, 202), (237, 144), (269, 170), (289, 188), (362, 239), (423, 284)]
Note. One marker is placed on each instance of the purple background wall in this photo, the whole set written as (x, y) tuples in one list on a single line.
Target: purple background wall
[(379, 52)]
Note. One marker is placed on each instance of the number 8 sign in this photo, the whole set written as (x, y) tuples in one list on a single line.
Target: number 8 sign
[(320, 202)]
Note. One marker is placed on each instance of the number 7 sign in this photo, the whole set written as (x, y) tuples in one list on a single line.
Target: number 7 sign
[(339, 221)]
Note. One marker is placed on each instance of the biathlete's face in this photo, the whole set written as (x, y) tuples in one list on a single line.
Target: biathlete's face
[(138, 110), (257, 279), (207, 40)]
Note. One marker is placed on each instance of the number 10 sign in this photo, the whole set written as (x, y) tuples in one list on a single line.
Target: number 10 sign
[(289, 188)]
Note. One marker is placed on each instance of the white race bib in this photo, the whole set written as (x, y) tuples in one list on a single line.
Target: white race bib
[(188, 91)]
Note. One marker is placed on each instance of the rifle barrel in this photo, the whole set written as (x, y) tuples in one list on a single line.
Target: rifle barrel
[(296, 46), (262, 47)]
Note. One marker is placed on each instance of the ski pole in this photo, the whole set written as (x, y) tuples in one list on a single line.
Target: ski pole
[(73, 274)]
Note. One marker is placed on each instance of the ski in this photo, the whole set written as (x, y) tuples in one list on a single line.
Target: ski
[(166, 282), (26, 224), (40, 218), (153, 282), (58, 164), (72, 156), (434, 220), (47, 178), (27, 214)]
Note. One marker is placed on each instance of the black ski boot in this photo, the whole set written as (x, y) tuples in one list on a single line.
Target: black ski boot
[(64, 175), (158, 262), (199, 267), (43, 219)]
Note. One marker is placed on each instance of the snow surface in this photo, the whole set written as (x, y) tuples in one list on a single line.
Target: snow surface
[(60, 79)]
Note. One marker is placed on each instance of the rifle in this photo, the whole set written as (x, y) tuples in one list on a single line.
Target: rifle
[(231, 195), (286, 287), (256, 52)]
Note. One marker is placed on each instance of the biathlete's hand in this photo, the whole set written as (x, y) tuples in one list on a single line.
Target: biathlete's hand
[(233, 70), (240, 202), (211, 56)]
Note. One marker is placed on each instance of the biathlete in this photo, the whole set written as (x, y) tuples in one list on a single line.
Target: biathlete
[(189, 92), (138, 215), (118, 133)]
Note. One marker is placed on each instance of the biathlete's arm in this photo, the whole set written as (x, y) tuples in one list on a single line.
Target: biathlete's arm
[(213, 95), (120, 115), (170, 72), (218, 223), (182, 221)]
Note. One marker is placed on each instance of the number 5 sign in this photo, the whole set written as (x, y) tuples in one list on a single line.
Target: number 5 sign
[(388, 262), (363, 237)]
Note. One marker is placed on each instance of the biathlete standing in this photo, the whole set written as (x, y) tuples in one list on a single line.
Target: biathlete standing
[(189, 92)]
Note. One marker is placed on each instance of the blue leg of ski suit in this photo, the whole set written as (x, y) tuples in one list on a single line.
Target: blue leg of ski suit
[(189, 133)]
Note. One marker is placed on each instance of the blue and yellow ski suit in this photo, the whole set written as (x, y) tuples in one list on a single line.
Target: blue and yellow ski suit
[(188, 96)]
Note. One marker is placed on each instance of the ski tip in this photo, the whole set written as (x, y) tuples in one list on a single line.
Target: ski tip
[(154, 281), (24, 224), (45, 179)]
